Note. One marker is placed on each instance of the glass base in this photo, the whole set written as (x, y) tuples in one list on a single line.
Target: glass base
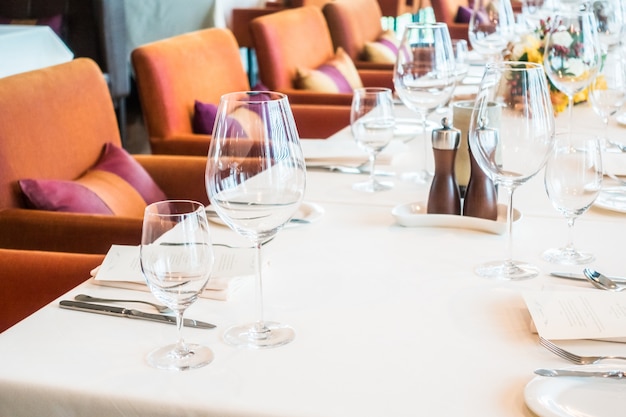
[(566, 256), (507, 270), (169, 358), (256, 336), (373, 186)]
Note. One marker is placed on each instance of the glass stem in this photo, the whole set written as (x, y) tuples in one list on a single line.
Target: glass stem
[(509, 224), (426, 147), (181, 348), (260, 329), (372, 159), (569, 247)]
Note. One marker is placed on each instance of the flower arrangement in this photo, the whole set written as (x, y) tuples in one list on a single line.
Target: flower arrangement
[(531, 48)]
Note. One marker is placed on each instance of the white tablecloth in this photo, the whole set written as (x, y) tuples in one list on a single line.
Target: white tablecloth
[(26, 48), (389, 321)]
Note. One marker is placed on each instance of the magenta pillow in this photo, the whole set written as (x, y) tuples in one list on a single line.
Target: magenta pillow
[(338, 75), (117, 184), (55, 22)]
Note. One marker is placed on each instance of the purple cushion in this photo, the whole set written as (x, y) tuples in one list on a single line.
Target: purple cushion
[(55, 22), (339, 75), (463, 15), (117, 184)]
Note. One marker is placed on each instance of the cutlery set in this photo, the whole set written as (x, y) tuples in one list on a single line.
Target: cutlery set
[(602, 282), (88, 304)]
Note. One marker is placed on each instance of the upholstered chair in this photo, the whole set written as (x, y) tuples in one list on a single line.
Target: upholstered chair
[(355, 26), (94, 29), (174, 74), (65, 182), (455, 13), (296, 56), (32, 279)]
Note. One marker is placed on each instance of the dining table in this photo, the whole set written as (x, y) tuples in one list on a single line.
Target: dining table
[(390, 319)]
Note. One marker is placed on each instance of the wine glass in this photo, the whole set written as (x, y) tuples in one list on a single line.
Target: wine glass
[(572, 52), (491, 28), (176, 259), (424, 75), (573, 179), (372, 123), (255, 179), (609, 18), (607, 91), (514, 148)]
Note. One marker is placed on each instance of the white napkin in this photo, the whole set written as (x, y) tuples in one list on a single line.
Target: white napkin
[(614, 162), (121, 269)]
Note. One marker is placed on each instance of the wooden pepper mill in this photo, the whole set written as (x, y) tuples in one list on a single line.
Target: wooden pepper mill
[(481, 199), (444, 196)]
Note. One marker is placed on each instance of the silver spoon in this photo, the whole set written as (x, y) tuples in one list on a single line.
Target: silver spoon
[(602, 281), (90, 299)]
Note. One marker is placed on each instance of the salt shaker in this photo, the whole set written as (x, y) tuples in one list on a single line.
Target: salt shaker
[(444, 196), (481, 199)]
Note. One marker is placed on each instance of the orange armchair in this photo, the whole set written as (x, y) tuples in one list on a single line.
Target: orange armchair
[(446, 11), (32, 279), (54, 124), (300, 38), (173, 73), (353, 23)]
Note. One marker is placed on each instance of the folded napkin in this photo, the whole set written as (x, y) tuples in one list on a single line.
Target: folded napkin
[(121, 269), (343, 150), (614, 162)]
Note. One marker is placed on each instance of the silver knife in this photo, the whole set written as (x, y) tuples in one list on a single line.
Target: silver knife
[(611, 374), (130, 313), (347, 170), (581, 277)]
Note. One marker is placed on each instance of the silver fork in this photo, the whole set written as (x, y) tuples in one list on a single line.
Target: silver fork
[(572, 357)]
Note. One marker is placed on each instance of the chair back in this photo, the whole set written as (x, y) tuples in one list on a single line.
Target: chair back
[(53, 125), (287, 40), (352, 23), (173, 73)]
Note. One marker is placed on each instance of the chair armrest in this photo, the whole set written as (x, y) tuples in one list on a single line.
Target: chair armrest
[(377, 78), (318, 121), (180, 177), (459, 31), (368, 65), (181, 144), (66, 232)]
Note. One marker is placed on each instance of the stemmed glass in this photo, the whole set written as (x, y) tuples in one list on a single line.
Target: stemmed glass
[(607, 92), (255, 179), (572, 52), (424, 75), (573, 180), (491, 27), (372, 124), (515, 148), (176, 259)]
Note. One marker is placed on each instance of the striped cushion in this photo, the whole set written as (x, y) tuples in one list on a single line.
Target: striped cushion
[(383, 50), (338, 75), (116, 185)]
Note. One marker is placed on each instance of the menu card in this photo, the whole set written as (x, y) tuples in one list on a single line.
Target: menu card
[(578, 314), (121, 269)]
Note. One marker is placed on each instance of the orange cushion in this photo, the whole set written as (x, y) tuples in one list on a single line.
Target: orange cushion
[(339, 75)]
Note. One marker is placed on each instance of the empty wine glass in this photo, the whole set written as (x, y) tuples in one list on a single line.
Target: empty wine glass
[(491, 27), (607, 91), (372, 124), (572, 52), (176, 259), (516, 147), (424, 75), (573, 179), (255, 179), (609, 18)]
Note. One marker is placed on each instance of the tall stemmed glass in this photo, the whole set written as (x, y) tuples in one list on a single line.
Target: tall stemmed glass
[(515, 148), (176, 259), (372, 123), (424, 75), (572, 52), (607, 92), (573, 180), (255, 179), (491, 27)]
